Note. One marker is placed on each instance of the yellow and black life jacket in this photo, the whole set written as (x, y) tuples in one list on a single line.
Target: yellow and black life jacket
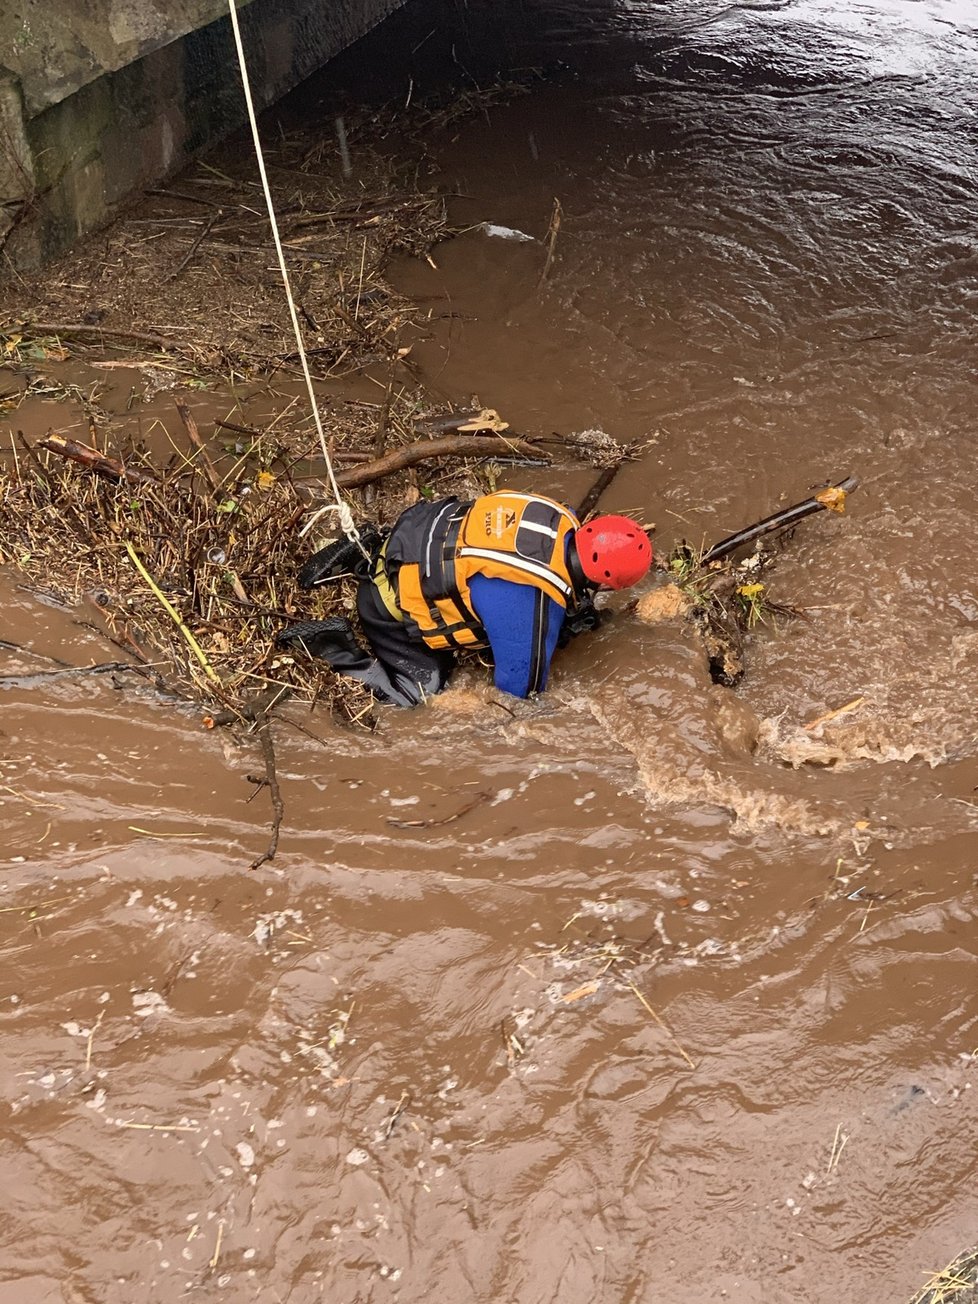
[(435, 548)]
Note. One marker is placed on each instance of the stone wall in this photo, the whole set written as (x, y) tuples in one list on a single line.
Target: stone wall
[(83, 126)]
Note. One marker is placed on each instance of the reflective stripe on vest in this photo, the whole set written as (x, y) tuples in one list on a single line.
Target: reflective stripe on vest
[(531, 568)]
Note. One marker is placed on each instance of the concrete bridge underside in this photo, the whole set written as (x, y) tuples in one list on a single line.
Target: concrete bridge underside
[(102, 99)]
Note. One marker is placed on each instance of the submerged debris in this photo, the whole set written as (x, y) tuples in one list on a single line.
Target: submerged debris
[(723, 603), (725, 600)]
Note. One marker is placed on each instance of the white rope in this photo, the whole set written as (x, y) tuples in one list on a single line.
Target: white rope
[(347, 524), (322, 511)]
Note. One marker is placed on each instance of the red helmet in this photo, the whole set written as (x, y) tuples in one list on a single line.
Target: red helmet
[(613, 551)]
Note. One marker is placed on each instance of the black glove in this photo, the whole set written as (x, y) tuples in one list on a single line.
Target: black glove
[(579, 620), (343, 557)]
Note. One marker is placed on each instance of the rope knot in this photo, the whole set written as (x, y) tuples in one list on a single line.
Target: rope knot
[(347, 523)]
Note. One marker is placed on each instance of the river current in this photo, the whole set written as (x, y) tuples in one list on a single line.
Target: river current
[(684, 1008)]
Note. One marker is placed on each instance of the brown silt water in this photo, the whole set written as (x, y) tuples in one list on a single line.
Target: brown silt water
[(649, 990)]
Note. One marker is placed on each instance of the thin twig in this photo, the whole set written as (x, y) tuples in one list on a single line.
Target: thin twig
[(437, 823), (103, 668), (177, 619), (16, 458), (665, 1028), (193, 434), (832, 715), (380, 439), (250, 710), (264, 732), (217, 1248), (195, 246), (837, 1149), (83, 329), (552, 230), (398, 1111)]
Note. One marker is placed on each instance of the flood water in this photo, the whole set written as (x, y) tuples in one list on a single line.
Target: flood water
[(684, 1008)]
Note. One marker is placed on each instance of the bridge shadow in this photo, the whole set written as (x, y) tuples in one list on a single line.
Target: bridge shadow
[(432, 47)]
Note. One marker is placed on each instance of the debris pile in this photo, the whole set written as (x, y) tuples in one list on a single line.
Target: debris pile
[(186, 550), (192, 578), (192, 568)]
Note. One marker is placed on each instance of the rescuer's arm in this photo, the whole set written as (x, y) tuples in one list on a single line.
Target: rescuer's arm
[(522, 625)]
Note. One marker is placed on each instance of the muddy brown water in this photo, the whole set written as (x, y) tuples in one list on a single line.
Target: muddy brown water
[(683, 1008)]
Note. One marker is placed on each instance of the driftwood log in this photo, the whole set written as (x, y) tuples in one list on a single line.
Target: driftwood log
[(351, 478), (83, 329), (448, 446), (831, 498), (193, 434), (590, 499), (93, 460)]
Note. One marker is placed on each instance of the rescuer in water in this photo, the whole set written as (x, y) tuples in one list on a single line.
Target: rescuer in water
[(511, 572)]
